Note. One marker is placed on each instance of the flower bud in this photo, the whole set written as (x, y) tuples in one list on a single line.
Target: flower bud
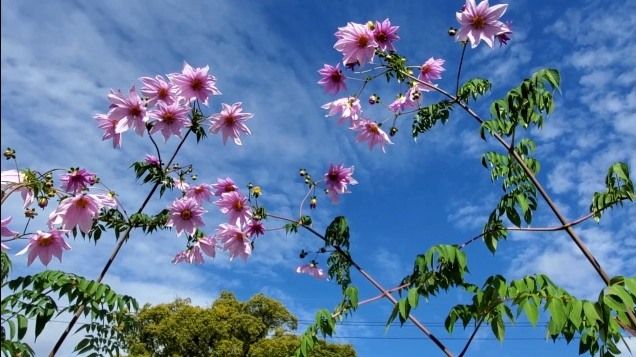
[(307, 181), (256, 191), (371, 25), (30, 213), (452, 32), (43, 202), (393, 131), (313, 202), (374, 99), (302, 172), (9, 154)]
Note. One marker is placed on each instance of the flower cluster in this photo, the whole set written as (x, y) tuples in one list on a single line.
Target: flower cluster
[(163, 105), (80, 205), (235, 236)]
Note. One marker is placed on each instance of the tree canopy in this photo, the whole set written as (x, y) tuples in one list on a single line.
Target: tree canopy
[(258, 327)]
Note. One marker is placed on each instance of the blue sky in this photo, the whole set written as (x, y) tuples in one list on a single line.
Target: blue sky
[(59, 59)]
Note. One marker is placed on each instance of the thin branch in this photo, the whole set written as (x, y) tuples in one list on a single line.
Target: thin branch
[(376, 284), (472, 336), (120, 244), (547, 198), (459, 68), (154, 143)]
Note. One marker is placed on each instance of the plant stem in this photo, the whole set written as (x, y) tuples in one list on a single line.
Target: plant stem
[(459, 68), (575, 238), (472, 336), (120, 244), (385, 293)]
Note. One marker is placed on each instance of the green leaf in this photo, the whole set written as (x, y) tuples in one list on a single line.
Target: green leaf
[(575, 312), (413, 297), (532, 311), (590, 312), (498, 328), (22, 326)]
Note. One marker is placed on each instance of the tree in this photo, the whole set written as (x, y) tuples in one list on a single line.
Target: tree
[(227, 328)]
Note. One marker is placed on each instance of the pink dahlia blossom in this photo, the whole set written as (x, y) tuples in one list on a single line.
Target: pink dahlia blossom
[(311, 269), (429, 71), (234, 240), (194, 254), (207, 246), (170, 119), (406, 101), (480, 22), (504, 36), (12, 179), (370, 132), (235, 206), (255, 228), (346, 108), (224, 186), (231, 122), (6, 232), (191, 255), (185, 216), (201, 193), (152, 160), (45, 245), (332, 79), (108, 124), (77, 180), (356, 43), (195, 83), (337, 179), (180, 184), (80, 210), (130, 112), (385, 34), (158, 90)]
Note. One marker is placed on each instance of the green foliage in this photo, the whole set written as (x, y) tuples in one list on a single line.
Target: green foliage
[(115, 220), (36, 297), (439, 268), (596, 323), (197, 119), (228, 328), (339, 262), (619, 187), (426, 117), (395, 64), (474, 88), (526, 104)]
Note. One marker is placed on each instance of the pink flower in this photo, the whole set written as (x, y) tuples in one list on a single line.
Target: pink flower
[(231, 122), (406, 101), (180, 184), (385, 34), (130, 112), (332, 79), (152, 160), (3, 247), (224, 186), (108, 124), (504, 36), (236, 206), (45, 245), (347, 108), (480, 22), (158, 90), (6, 232), (356, 43), (185, 216), (200, 193), (370, 132), (235, 241), (170, 119), (80, 210), (10, 179), (195, 83), (77, 180), (429, 71), (255, 228), (193, 255), (312, 270), (207, 246), (337, 179)]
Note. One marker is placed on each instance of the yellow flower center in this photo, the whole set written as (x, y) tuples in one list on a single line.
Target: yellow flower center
[(186, 214)]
